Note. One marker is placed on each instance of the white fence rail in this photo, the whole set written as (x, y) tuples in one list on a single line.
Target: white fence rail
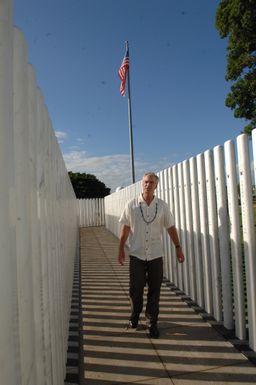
[(38, 225), (216, 227), (91, 212)]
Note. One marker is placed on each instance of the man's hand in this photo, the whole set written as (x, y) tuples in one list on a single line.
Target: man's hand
[(180, 255), (121, 257)]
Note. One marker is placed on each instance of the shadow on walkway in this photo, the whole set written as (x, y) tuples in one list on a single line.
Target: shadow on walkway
[(189, 350)]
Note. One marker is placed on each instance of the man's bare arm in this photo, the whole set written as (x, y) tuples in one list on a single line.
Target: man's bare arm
[(124, 234), (175, 238)]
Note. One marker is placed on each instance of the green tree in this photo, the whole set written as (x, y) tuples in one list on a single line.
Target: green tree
[(236, 20), (87, 186)]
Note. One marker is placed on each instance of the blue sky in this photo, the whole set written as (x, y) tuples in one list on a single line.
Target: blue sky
[(177, 70)]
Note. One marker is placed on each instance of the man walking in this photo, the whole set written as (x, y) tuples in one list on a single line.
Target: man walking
[(143, 221)]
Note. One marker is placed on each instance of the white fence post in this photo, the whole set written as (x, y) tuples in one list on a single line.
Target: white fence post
[(248, 233), (168, 243), (254, 156), (189, 251), (196, 233), (235, 240), (213, 239), (22, 218), (184, 267), (161, 194), (206, 259), (177, 269), (35, 241), (223, 235), (172, 250)]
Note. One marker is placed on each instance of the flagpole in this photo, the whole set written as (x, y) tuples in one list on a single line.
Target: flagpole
[(130, 121)]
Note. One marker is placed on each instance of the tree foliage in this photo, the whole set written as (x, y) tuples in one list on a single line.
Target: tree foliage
[(236, 20), (88, 186)]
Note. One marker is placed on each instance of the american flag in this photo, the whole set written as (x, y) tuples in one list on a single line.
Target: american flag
[(123, 71)]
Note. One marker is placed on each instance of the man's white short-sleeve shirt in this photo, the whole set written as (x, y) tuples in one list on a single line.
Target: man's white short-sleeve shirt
[(146, 226)]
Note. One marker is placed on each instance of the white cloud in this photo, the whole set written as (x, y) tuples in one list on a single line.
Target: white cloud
[(113, 170), (60, 135)]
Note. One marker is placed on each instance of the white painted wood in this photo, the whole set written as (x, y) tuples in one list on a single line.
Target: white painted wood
[(162, 195), (168, 242), (91, 212), (213, 238), (248, 232), (202, 194), (173, 261), (189, 251), (26, 330), (235, 240), (254, 158), (183, 238), (38, 225), (178, 276), (196, 233), (223, 235), (34, 228), (204, 232)]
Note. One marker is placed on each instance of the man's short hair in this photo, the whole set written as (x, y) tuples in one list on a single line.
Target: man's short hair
[(151, 174)]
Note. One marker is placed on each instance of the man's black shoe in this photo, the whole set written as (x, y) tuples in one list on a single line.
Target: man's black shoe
[(134, 320), (132, 325), (153, 331)]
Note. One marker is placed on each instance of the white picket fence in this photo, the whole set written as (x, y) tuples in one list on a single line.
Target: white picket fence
[(217, 234), (40, 217), (91, 212), (38, 225)]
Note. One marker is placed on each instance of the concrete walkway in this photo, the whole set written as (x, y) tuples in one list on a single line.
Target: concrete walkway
[(189, 350)]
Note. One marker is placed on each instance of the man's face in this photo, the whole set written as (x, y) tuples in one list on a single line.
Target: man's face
[(149, 184)]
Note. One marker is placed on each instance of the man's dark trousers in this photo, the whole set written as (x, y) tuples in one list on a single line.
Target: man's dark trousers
[(142, 273)]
